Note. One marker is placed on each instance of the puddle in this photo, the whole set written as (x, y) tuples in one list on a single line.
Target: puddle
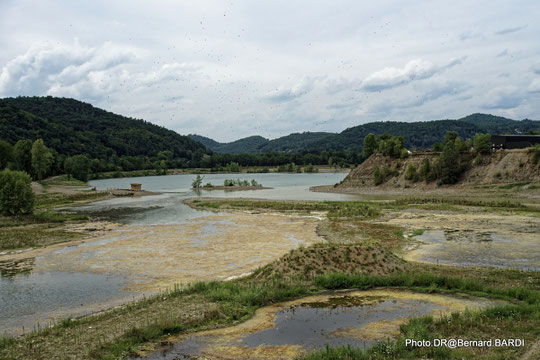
[(28, 299), (283, 331), (473, 248)]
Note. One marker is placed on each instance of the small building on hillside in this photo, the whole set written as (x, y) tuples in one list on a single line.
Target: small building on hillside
[(514, 141), (136, 187)]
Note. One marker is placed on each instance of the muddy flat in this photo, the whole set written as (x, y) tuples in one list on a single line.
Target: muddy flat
[(472, 238), (213, 247)]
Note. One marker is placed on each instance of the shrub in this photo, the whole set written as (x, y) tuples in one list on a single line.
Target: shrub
[(411, 173), (478, 159), (233, 167), (16, 196), (378, 177), (310, 169), (425, 171)]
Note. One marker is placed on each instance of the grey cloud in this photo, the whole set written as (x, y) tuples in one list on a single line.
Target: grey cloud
[(536, 68), (510, 30), (425, 94), (468, 35), (285, 95), (504, 97), (534, 87), (503, 53)]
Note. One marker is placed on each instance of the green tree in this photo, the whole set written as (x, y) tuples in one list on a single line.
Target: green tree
[(68, 166), (197, 182), (370, 144), (16, 196), (41, 159), (80, 167), (233, 167), (425, 170), (6, 154), (449, 161), (378, 177), (482, 143), (22, 155)]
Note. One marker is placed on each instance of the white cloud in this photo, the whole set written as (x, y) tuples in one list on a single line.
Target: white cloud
[(288, 94), (61, 69), (391, 77), (273, 67), (503, 97), (534, 87)]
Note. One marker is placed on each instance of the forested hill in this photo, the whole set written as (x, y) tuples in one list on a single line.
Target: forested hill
[(74, 127), (422, 134)]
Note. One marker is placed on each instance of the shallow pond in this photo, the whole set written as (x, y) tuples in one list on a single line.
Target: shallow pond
[(162, 242), (282, 331), (485, 248)]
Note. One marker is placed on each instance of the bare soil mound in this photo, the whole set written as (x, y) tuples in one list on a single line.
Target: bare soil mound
[(321, 259)]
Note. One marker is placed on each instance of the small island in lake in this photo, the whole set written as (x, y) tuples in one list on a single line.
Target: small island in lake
[(228, 184)]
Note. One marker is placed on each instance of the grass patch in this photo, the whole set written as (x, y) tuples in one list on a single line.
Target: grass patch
[(49, 200), (336, 209), (496, 204), (511, 186), (418, 232), (63, 180)]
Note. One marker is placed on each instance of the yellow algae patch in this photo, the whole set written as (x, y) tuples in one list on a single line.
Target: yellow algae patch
[(227, 343), (373, 331), (155, 257), (261, 352)]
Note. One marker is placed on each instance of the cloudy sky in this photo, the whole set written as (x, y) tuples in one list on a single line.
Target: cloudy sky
[(229, 69)]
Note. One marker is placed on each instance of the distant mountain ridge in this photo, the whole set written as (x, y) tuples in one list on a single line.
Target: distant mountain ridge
[(421, 134), (73, 127), (258, 144)]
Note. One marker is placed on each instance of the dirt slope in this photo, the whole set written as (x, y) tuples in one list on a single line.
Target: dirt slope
[(500, 167)]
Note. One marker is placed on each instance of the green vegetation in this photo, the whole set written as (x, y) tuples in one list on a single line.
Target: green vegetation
[(115, 144), (336, 209), (385, 144), (418, 135), (291, 168), (310, 169), (411, 173), (482, 143), (44, 226), (535, 153), (197, 182), (16, 196), (41, 159), (238, 182)]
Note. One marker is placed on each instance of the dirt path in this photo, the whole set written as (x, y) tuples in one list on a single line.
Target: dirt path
[(533, 352)]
